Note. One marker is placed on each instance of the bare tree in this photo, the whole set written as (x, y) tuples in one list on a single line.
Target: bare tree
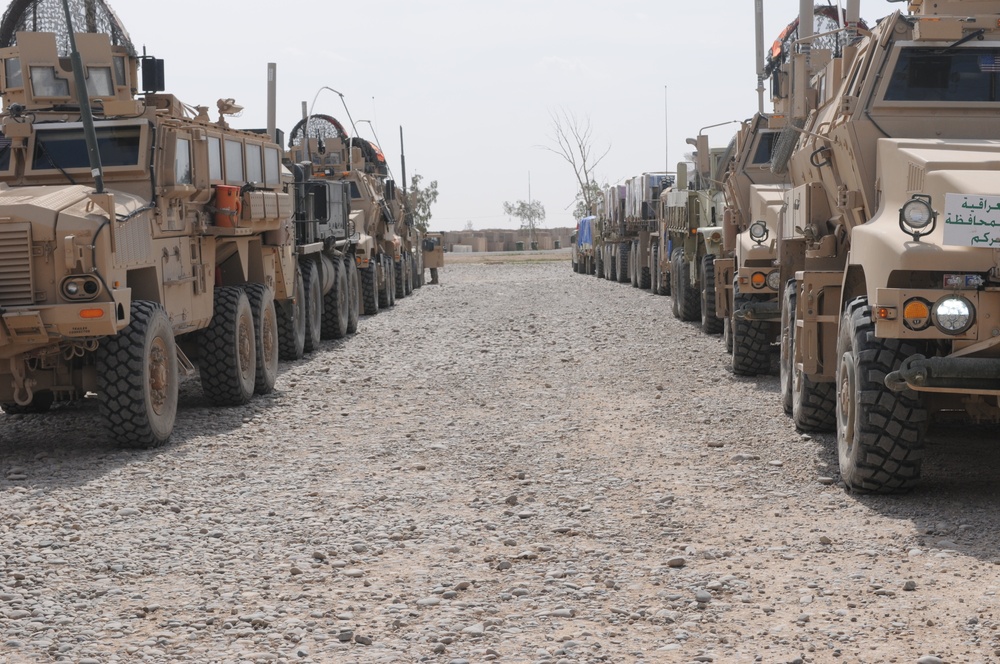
[(572, 139)]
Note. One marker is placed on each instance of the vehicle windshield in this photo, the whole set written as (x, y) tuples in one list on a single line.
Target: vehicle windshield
[(765, 146), (66, 148), (946, 75)]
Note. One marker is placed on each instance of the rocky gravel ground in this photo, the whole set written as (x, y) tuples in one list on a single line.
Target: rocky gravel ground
[(520, 465)]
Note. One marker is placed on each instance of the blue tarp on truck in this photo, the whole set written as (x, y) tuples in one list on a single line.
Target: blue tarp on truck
[(585, 233)]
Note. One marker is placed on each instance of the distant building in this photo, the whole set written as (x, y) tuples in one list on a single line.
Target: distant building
[(506, 240)]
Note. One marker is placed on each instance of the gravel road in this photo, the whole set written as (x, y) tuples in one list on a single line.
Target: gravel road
[(520, 465)]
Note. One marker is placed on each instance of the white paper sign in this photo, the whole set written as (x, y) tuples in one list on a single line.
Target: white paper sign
[(972, 220)]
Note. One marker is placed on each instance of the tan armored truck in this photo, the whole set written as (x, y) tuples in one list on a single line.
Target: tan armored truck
[(638, 228), (138, 242), (896, 205), (690, 236), (610, 220), (338, 156)]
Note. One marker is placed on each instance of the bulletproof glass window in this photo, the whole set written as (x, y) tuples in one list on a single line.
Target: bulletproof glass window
[(234, 163), (214, 159), (946, 75), (765, 147), (182, 162), (67, 148), (119, 61), (355, 192), (255, 171), (272, 167), (12, 72), (99, 83), (44, 83)]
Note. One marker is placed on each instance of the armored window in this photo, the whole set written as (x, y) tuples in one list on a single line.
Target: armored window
[(4, 153), (99, 83), (44, 83), (182, 162), (955, 75), (254, 168), (272, 167), (66, 147), (214, 159), (12, 73), (355, 192), (234, 163), (765, 147), (119, 61)]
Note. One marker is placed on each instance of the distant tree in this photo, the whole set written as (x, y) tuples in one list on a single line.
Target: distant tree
[(587, 205), (421, 199), (531, 214), (572, 140), (468, 226)]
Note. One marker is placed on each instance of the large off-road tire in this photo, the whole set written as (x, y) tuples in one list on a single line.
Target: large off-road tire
[(688, 297), (710, 323), (400, 279), (137, 379), (313, 305), (643, 277), (369, 288), (385, 286), (751, 341), (811, 404), (41, 402), (654, 274), (228, 350), (265, 323), (292, 322), (612, 266), (336, 308), (633, 264), (407, 275), (353, 293), (727, 334), (880, 433), (623, 263), (663, 280), (599, 264), (391, 281)]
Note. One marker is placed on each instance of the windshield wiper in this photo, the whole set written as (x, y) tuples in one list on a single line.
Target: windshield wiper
[(45, 152), (978, 34)]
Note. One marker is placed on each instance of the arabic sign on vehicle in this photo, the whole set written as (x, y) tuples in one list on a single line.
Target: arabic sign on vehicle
[(971, 220)]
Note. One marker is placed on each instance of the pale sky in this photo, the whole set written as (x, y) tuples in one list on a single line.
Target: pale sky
[(474, 84)]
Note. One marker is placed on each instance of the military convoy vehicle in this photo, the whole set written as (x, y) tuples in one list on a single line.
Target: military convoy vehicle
[(638, 228), (893, 208), (138, 242), (689, 237), (336, 155), (610, 221), (584, 255)]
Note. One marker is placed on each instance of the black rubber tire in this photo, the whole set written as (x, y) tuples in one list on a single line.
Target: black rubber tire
[(710, 323), (599, 263), (369, 287), (688, 297), (811, 405), (292, 322), (612, 266), (786, 363), (727, 334), (643, 275), (41, 402), (265, 323), (138, 379), (228, 350), (623, 253), (880, 433), (353, 293), (383, 289), (313, 305), (391, 281), (654, 275), (400, 280), (407, 275), (336, 308), (751, 342)]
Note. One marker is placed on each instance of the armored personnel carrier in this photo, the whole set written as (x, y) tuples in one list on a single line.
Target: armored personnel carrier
[(337, 155), (139, 239), (895, 204)]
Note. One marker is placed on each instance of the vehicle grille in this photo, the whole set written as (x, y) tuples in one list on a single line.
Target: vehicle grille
[(15, 265)]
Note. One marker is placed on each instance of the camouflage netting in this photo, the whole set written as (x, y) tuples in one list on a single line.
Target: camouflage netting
[(785, 146), (318, 126), (50, 16)]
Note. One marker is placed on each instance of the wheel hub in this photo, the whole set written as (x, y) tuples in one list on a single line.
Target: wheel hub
[(846, 392)]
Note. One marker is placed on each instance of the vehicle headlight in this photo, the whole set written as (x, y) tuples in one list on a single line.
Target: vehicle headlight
[(917, 217), (952, 314), (758, 231), (72, 288), (774, 280)]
